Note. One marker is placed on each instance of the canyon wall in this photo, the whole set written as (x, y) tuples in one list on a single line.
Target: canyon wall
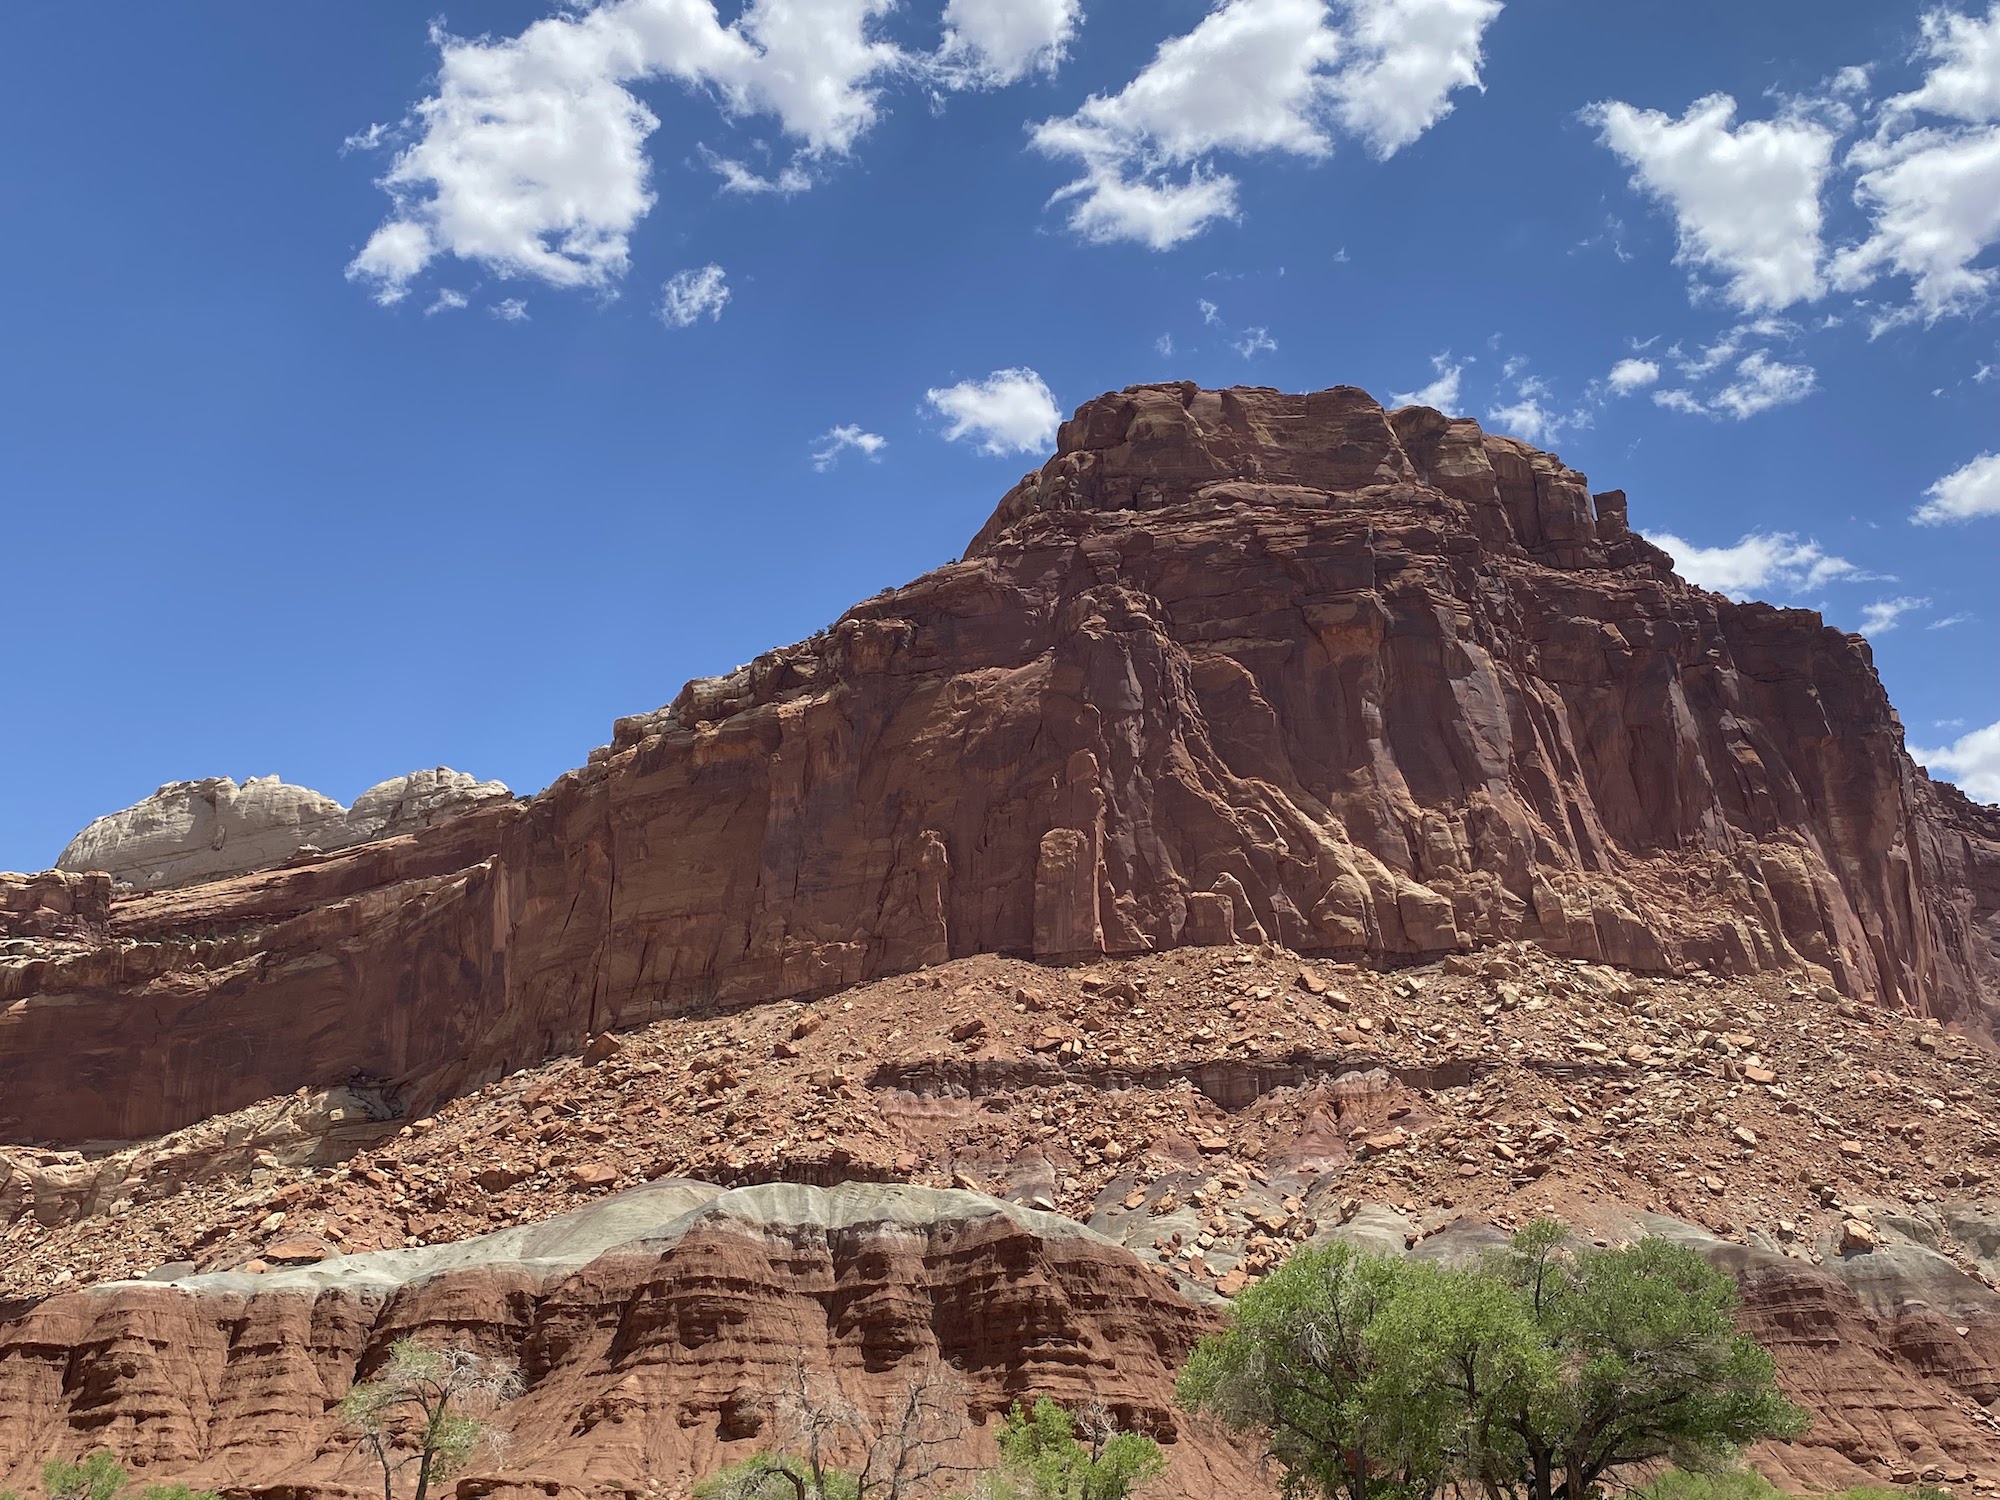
[(1231, 665)]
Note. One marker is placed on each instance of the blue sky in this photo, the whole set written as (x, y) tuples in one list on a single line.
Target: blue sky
[(375, 396)]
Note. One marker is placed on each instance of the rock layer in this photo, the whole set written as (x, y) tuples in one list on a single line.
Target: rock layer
[(190, 831), (1232, 665), (652, 1330)]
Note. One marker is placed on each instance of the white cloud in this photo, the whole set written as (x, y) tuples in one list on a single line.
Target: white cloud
[(1250, 77), (1757, 384), (1882, 615), (738, 178), (999, 42), (1761, 383), (1961, 618), (529, 158), (1964, 494), (1256, 76), (1526, 418), (1933, 192), (1532, 415), (1746, 199), (1973, 761), (510, 310), (1965, 84), (836, 440), (1011, 411), (1255, 341), (1934, 197), (1164, 344), (691, 295), (1760, 561), (1630, 375), (1442, 392), (447, 301), (1210, 313), (1410, 55), (366, 140)]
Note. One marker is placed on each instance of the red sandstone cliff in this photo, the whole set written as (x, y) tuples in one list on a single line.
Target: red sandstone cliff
[(1231, 664), (652, 1331)]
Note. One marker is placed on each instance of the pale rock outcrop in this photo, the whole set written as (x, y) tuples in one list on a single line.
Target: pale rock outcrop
[(191, 831)]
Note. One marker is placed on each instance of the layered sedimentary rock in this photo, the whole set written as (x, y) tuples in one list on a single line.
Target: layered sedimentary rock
[(190, 831), (54, 903), (1232, 665), (653, 1329)]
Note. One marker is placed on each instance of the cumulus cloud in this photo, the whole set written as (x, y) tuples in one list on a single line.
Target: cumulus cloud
[(447, 301), (1630, 375), (1533, 415), (836, 440), (1011, 411), (1934, 198), (1527, 417), (1965, 84), (1257, 77), (510, 310), (1760, 562), (1745, 198), (1408, 56), (1932, 191), (997, 42), (1973, 761), (530, 160), (1442, 393), (1964, 494), (1761, 382), (691, 295), (1882, 615)]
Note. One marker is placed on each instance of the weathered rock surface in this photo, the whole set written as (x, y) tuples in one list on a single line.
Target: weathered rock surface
[(190, 831), (53, 904), (1232, 665), (653, 1329)]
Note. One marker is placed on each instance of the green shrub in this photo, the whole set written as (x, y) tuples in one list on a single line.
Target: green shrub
[(1727, 1484), (98, 1477), (1042, 1458)]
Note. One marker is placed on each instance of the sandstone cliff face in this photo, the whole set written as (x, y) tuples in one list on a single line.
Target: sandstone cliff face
[(652, 1329), (190, 831), (1231, 665), (53, 904)]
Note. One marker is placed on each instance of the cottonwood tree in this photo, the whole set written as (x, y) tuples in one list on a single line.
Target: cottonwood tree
[(1043, 1458), (1530, 1377), (426, 1410), (826, 1449)]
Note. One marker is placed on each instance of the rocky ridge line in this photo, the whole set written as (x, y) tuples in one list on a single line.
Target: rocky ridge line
[(193, 831)]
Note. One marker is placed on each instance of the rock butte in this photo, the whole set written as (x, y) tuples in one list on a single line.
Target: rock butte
[(1233, 666)]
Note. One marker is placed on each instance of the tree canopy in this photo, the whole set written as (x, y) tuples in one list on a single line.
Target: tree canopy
[(1529, 1376)]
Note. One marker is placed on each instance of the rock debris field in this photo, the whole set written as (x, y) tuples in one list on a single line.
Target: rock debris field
[(1208, 1108)]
